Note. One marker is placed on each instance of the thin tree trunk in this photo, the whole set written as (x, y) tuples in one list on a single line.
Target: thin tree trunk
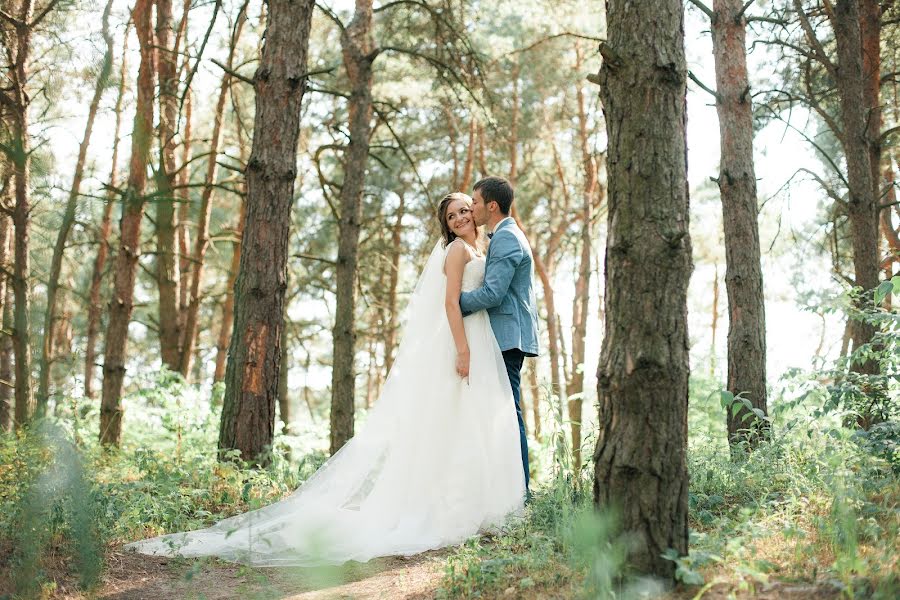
[(182, 231), (254, 358), (357, 46), (466, 181), (167, 263), (192, 317), (482, 162), (575, 384), (390, 331), (94, 305), (21, 215), (642, 388), (6, 350), (535, 400), (737, 188), (125, 268), (863, 204), (43, 395)]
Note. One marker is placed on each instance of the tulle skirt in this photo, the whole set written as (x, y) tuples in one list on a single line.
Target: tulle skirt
[(437, 461)]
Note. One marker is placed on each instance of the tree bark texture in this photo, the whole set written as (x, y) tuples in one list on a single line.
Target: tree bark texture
[(863, 200), (125, 268), (254, 358), (358, 45), (21, 214), (167, 262), (737, 188), (640, 465), (6, 400)]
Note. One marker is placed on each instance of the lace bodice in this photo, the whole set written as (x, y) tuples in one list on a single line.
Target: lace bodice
[(473, 274)]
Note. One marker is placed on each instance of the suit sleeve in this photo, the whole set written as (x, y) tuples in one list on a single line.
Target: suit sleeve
[(506, 255)]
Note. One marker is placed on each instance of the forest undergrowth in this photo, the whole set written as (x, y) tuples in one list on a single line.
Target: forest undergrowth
[(817, 502)]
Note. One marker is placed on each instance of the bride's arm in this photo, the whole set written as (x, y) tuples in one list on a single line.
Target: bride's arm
[(457, 257)]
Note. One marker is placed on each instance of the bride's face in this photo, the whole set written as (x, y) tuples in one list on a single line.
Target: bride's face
[(459, 218)]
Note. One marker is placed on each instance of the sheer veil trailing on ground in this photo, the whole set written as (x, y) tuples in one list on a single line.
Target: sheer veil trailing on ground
[(436, 462)]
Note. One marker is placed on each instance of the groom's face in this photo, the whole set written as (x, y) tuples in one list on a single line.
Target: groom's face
[(479, 208)]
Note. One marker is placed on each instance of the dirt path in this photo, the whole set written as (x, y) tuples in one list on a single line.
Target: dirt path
[(137, 577)]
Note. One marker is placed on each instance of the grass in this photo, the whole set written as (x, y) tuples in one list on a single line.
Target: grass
[(818, 503)]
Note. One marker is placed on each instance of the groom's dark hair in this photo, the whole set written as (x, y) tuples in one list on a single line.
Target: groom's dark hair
[(496, 189)]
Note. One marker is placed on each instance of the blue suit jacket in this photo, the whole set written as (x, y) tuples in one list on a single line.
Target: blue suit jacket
[(508, 291)]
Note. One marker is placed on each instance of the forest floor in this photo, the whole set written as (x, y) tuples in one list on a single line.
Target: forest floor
[(137, 577)]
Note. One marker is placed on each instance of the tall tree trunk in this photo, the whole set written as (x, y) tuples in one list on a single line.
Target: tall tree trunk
[(857, 141), (94, 304), (390, 331), (358, 47), (575, 383), (6, 404), (69, 215), (191, 319), (466, 180), (125, 269), (642, 387), (737, 188), (254, 358), (167, 263), (21, 214), (182, 231)]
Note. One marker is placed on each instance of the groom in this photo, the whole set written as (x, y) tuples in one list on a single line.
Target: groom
[(507, 292)]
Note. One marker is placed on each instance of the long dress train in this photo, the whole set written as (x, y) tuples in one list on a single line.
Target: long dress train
[(437, 461)]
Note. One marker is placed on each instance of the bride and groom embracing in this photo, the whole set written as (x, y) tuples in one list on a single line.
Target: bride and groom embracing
[(443, 454)]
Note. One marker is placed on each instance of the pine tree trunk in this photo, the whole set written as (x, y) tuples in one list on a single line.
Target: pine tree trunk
[(69, 216), (191, 319), (94, 303), (6, 404), (575, 383), (466, 181), (125, 268), (863, 202), (167, 263), (642, 389), (182, 231), (357, 46), (254, 357), (21, 215), (390, 331), (737, 188)]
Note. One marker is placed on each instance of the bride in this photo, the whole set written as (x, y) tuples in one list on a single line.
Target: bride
[(437, 461)]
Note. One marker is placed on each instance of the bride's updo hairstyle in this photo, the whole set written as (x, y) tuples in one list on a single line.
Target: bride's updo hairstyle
[(446, 233)]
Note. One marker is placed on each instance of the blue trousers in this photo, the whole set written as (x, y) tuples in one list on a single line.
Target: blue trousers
[(514, 359)]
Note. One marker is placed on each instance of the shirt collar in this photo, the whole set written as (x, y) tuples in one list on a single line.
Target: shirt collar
[(497, 226)]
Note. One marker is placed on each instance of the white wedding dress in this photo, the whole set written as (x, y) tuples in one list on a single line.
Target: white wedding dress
[(437, 461)]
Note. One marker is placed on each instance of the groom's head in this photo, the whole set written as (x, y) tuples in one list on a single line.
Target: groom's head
[(492, 200)]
